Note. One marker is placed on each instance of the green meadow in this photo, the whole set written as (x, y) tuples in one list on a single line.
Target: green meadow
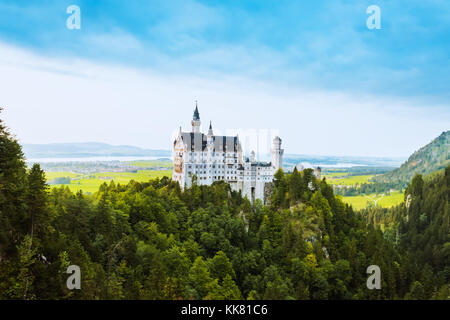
[(341, 178), (380, 200), (345, 178), (151, 163), (91, 182)]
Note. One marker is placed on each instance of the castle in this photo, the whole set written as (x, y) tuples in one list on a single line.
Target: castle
[(208, 158)]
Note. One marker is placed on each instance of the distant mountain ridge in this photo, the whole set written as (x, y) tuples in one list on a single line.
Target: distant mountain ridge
[(430, 158), (87, 149)]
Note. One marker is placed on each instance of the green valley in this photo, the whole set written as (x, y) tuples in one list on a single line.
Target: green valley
[(90, 183)]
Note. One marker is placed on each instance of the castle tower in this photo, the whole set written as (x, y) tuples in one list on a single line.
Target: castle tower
[(277, 153), (196, 120), (318, 173)]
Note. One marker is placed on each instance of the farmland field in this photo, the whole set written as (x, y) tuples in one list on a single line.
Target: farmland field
[(91, 182), (393, 199), (151, 163), (384, 201), (347, 180)]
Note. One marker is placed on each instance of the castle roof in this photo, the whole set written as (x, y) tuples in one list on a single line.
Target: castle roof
[(198, 142)]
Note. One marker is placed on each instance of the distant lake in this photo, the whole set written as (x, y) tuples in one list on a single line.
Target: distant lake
[(90, 159)]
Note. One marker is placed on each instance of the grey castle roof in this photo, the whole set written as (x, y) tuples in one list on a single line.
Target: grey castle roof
[(197, 142)]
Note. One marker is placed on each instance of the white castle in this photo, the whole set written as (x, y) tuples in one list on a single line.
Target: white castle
[(208, 158)]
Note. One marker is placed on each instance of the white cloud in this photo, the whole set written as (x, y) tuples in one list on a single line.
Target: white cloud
[(63, 100)]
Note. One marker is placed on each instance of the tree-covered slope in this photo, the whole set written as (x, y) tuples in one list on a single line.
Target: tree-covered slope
[(425, 233), (432, 157), (420, 229)]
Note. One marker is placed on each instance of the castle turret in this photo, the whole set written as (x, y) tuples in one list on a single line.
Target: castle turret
[(318, 173), (196, 120), (277, 153)]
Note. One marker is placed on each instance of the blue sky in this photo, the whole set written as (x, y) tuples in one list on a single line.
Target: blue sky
[(264, 57)]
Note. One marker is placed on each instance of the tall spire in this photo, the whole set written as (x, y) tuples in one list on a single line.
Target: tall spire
[(196, 120), (210, 131), (196, 116)]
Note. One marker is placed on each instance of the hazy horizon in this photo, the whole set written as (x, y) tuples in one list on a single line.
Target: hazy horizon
[(266, 155)]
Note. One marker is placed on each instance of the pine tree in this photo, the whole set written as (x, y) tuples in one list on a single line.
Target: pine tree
[(13, 187), (37, 199)]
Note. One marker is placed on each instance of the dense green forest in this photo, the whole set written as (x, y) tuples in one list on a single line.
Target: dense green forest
[(153, 241), (420, 228)]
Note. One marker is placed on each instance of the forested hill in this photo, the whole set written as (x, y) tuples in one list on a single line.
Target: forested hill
[(432, 157)]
